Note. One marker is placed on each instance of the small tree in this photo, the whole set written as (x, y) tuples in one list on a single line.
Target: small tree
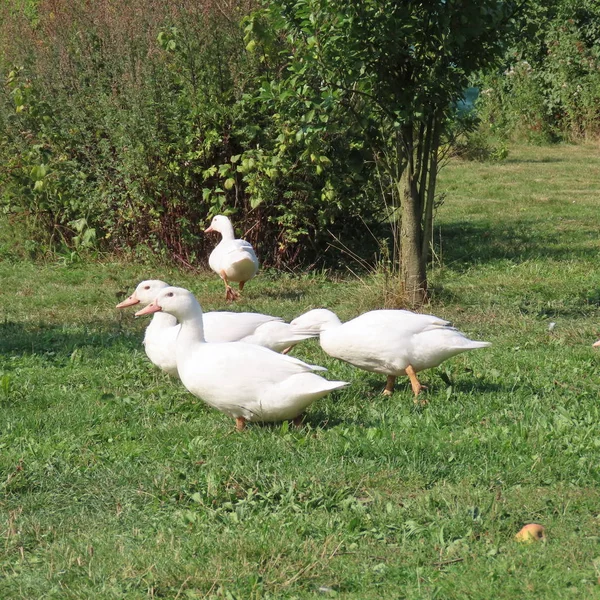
[(399, 68)]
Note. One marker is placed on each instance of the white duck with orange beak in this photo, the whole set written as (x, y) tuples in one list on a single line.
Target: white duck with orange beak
[(246, 382), (232, 259), (253, 328)]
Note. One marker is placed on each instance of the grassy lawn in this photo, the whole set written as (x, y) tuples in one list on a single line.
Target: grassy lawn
[(116, 483)]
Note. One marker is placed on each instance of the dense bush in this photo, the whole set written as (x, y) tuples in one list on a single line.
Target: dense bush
[(549, 88), (125, 124)]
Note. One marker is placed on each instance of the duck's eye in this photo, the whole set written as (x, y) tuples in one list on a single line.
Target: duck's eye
[(146, 287), (170, 294)]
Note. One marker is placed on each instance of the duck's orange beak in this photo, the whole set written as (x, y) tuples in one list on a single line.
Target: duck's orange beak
[(151, 308), (209, 229), (129, 302)]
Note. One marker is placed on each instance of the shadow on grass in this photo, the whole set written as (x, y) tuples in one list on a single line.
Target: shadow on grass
[(543, 159), (434, 383), (481, 387), (44, 338), (466, 244), (280, 294), (316, 419)]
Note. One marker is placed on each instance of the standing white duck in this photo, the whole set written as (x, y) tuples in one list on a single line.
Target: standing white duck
[(391, 342), (232, 259), (253, 328), (246, 382)]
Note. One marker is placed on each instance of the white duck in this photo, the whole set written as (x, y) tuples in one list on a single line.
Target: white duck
[(161, 333), (253, 328), (246, 382), (232, 259), (391, 342), (596, 345)]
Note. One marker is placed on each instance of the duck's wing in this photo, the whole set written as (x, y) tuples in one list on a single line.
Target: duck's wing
[(232, 326), (277, 336)]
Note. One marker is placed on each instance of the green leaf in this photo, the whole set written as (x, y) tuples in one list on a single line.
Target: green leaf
[(39, 171), (207, 173), (255, 201)]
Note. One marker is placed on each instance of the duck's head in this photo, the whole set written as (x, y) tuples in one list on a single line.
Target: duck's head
[(176, 301), (315, 321), (219, 223), (144, 293)]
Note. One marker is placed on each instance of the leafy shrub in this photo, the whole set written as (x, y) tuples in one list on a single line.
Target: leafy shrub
[(110, 138), (132, 120), (549, 88)]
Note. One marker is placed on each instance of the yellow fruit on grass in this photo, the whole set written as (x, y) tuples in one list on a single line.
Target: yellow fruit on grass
[(531, 533)]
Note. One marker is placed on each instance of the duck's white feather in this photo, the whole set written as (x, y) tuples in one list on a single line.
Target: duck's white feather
[(247, 381), (159, 342), (161, 334), (240, 379), (276, 336), (253, 328), (387, 341), (232, 326)]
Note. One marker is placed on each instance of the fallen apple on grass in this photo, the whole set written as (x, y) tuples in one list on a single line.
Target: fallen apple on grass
[(533, 532)]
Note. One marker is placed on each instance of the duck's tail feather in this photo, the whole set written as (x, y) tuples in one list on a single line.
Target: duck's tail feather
[(472, 344)]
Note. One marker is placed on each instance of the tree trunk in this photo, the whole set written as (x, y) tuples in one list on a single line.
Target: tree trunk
[(414, 276)]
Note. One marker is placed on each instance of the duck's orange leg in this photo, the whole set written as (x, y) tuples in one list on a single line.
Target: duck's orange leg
[(414, 382), (240, 423), (230, 294), (389, 385)]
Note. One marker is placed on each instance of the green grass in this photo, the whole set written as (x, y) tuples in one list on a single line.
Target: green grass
[(116, 483)]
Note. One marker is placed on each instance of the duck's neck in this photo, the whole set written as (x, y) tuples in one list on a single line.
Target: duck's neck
[(332, 323), (191, 333), (227, 231), (162, 320)]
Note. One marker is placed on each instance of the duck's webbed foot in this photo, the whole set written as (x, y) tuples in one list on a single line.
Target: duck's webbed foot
[(230, 294), (389, 385)]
